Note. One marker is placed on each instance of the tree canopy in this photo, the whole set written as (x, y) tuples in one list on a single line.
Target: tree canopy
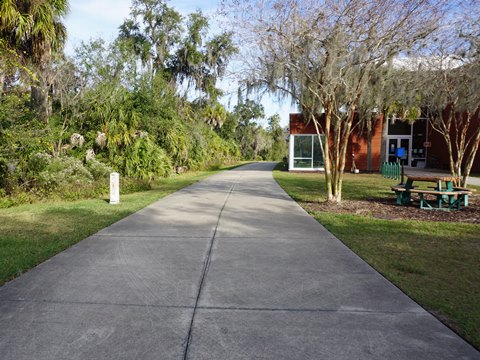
[(324, 54)]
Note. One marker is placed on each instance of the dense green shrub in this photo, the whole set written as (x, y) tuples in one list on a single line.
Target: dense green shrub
[(63, 171), (130, 185), (38, 162), (71, 191), (19, 198), (98, 169), (145, 160), (175, 138), (3, 174)]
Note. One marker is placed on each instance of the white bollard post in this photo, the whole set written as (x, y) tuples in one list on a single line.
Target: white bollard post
[(114, 188)]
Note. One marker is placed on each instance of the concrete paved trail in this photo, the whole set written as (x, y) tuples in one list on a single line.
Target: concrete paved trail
[(229, 268)]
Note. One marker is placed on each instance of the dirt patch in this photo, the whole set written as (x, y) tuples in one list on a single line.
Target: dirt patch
[(386, 208)]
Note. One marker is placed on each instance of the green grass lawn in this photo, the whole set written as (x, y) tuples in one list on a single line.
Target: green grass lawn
[(30, 234), (435, 263)]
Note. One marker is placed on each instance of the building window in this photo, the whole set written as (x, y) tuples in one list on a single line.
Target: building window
[(399, 127), (306, 154)]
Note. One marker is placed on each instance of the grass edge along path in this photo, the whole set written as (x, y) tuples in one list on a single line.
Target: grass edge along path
[(435, 263), (33, 233)]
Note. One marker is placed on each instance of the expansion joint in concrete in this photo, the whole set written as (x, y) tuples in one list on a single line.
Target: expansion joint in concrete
[(206, 266)]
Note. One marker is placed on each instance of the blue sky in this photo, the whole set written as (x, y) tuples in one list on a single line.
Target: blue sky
[(101, 18), (94, 18)]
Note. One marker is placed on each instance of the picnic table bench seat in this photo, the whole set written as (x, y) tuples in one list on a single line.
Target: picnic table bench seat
[(399, 188), (440, 192), (464, 189)]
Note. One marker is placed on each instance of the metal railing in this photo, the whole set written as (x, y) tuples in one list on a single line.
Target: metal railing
[(391, 170)]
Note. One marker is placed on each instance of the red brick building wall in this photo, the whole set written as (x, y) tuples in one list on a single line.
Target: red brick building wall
[(357, 143), (298, 127)]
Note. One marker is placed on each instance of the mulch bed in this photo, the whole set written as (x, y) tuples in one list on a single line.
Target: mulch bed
[(386, 208)]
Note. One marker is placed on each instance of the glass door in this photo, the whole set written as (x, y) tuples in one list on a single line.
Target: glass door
[(399, 142), (405, 143), (392, 150)]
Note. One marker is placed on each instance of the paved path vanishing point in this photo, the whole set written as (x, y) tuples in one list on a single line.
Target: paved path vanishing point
[(229, 268)]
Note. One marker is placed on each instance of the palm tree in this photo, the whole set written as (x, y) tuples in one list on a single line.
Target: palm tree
[(33, 28), (215, 115)]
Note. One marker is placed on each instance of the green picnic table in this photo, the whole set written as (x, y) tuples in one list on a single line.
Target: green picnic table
[(444, 193)]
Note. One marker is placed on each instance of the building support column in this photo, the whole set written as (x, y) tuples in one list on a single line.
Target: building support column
[(290, 152)]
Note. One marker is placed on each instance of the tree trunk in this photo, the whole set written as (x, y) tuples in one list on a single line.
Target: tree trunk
[(383, 146), (451, 161), (369, 149), (2, 82), (328, 159), (40, 101), (471, 157), (470, 160)]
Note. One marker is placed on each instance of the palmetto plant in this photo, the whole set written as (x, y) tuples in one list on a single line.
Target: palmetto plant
[(146, 160), (120, 128), (176, 139), (109, 108)]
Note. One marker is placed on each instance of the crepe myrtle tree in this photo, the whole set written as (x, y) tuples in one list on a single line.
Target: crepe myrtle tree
[(451, 89), (322, 54)]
